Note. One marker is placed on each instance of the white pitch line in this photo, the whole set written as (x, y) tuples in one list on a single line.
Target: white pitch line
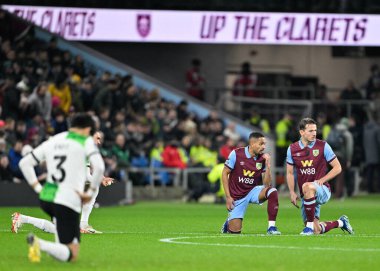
[(175, 241), (226, 235)]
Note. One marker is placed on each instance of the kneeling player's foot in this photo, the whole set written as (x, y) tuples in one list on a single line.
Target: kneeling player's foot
[(224, 227), (89, 230), (307, 231), (16, 222), (34, 254), (346, 224), (272, 230)]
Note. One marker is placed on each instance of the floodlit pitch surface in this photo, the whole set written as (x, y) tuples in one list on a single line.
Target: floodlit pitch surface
[(178, 236)]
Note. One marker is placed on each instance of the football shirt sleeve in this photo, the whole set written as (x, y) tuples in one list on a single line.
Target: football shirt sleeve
[(28, 163), (96, 161), (289, 158), (328, 153), (230, 162)]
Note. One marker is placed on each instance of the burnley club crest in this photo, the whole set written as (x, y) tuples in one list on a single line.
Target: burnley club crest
[(315, 152), (259, 166)]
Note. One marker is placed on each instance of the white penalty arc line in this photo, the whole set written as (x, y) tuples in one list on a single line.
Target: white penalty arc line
[(177, 240)]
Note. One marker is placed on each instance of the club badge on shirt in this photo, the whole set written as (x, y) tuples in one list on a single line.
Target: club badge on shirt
[(259, 166), (315, 153)]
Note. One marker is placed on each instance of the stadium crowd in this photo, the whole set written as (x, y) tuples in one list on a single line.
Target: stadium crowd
[(41, 86)]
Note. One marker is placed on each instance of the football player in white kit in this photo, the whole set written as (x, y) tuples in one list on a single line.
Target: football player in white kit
[(66, 155), (19, 219)]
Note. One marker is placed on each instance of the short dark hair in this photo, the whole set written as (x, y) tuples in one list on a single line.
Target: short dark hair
[(82, 120), (255, 135), (306, 121)]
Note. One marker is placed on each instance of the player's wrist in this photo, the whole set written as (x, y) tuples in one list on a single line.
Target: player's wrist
[(37, 187)]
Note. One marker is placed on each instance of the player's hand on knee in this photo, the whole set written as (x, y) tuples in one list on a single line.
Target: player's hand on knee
[(319, 182), (230, 204)]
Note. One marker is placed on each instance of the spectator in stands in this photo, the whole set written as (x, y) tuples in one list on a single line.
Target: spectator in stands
[(79, 67), (246, 82), (195, 81), (231, 133), (5, 170), (29, 73), (170, 126), (171, 156), (215, 178), (225, 149), (61, 92), (103, 97), (105, 125), (258, 121), (20, 131), (351, 93), (52, 49), (182, 110), (151, 120), (103, 81), (14, 157), (325, 127), (214, 125), (284, 137), (139, 161), (133, 103), (59, 122), (120, 151), (66, 58), (11, 99), (341, 141), (371, 142), (7, 131), (40, 101), (3, 145), (373, 83), (356, 129)]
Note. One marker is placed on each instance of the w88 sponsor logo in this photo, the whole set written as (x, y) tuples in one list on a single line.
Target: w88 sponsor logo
[(307, 171)]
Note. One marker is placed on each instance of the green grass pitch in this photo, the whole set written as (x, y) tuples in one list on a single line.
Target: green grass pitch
[(179, 236)]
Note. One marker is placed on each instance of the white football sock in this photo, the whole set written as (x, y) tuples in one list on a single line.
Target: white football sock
[(340, 222), (310, 225), (87, 209), (40, 223), (59, 251), (271, 224)]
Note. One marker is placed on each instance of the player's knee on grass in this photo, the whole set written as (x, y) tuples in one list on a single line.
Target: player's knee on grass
[(234, 225), (74, 251)]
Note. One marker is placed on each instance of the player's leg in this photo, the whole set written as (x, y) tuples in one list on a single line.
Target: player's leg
[(323, 195), (68, 235), (271, 195), (234, 222), (19, 219), (86, 211), (308, 207)]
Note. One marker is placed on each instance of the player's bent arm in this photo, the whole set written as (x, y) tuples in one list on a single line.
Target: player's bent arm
[(225, 179), (27, 165), (97, 165), (225, 174), (335, 170), (290, 177), (291, 183), (88, 174), (267, 180)]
